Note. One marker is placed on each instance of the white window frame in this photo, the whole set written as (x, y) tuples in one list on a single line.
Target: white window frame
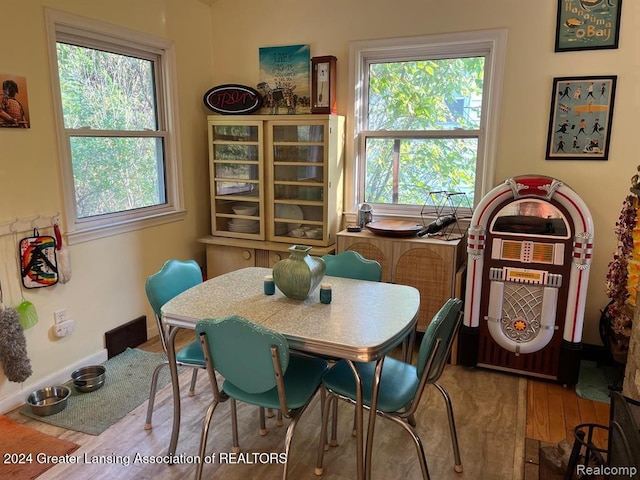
[(489, 43), (96, 34)]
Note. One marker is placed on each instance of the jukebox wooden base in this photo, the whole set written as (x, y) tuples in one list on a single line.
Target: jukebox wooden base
[(559, 361)]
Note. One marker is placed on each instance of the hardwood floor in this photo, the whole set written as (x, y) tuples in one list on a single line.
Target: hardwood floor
[(553, 411)]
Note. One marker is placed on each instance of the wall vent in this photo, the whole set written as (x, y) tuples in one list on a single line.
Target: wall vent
[(130, 334)]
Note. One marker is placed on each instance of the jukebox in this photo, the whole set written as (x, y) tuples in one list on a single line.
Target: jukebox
[(529, 251)]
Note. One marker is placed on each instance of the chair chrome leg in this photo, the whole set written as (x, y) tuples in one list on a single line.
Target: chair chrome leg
[(194, 379), (323, 432), (354, 432), (372, 418), (360, 450), (452, 427), (279, 421), (263, 424), (152, 393), (234, 427), (412, 420), (287, 442), (416, 440), (334, 424), (203, 437), (421, 455), (270, 413)]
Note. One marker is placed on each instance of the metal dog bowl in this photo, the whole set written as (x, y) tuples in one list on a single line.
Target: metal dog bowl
[(88, 379), (48, 400)]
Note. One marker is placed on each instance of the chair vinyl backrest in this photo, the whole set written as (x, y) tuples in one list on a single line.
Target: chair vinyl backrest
[(443, 326), (350, 264), (173, 278), (240, 351)]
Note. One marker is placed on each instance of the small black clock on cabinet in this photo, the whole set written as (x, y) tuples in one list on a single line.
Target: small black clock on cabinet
[(323, 84)]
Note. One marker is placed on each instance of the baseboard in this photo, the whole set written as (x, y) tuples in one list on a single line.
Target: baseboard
[(58, 378), (596, 353)]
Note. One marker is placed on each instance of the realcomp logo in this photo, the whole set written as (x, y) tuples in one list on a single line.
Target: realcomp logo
[(623, 471)]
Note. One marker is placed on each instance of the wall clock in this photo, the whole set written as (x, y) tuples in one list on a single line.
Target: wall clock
[(323, 84)]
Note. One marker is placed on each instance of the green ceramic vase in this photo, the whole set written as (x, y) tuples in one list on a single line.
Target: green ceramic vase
[(300, 274)]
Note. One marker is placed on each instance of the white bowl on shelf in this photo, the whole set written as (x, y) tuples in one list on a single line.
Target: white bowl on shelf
[(244, 210), (244, 228), (243, 221), (314, 233)]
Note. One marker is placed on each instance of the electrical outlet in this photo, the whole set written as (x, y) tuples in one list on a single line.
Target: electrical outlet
[(64, 328), (59, 316)]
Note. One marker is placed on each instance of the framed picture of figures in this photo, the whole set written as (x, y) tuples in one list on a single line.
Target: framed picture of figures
[(580, 118), (285, 79), (14, 104), (587, 24)]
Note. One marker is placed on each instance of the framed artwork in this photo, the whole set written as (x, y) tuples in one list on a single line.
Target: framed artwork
[(580, 118), (587, 24), (284, 79), (14, 106)]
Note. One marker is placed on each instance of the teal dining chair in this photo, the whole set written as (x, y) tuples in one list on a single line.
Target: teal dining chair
[(173, 278), (350, 264), (257, 369), (401, 384)]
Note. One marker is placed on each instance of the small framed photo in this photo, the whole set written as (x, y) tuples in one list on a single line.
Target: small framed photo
[(580, 118), (587, 24), (14, 105)]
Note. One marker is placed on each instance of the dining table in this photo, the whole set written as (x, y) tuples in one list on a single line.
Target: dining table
[(363, 322)]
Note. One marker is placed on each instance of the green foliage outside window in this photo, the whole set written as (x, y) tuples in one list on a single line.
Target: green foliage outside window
[(110, 116), (442, 97)]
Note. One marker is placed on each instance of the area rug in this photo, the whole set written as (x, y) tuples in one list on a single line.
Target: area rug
[(25, 450), (128, 378), (594, 381)]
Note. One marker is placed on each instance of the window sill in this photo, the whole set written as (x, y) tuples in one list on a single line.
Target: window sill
[(116, 228)]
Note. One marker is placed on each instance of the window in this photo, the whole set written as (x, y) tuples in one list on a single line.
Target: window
[(118, 139), (425, 118)]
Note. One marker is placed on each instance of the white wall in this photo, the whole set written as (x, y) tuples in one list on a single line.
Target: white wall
[(107, 286), (241, 27)]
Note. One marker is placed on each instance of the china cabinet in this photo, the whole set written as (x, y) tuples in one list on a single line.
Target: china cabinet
[(275, 181)]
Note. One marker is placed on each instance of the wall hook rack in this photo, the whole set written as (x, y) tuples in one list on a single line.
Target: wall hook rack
[(25, 224)]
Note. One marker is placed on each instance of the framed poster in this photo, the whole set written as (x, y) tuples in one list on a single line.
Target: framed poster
[(587, 24), (284, 79), (14, 106), (580, 118)]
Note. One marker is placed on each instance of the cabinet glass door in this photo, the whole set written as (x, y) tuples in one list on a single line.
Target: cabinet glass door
[(298, 171), (236, 177)]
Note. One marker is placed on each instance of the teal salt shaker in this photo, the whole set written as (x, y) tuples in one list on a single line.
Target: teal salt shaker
[(269, 285), (325, 293)]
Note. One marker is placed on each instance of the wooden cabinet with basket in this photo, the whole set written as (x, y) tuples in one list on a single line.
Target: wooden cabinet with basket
[(435, 267)]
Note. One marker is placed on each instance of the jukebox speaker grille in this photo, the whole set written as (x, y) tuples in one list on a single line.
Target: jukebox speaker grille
[(521, 301)]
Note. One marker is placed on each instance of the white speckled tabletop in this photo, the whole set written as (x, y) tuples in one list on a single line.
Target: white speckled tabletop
[(363, 322)]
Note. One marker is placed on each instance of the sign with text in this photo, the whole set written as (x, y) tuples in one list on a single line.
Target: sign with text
[(232, 99), (587, 24), (284, 79)]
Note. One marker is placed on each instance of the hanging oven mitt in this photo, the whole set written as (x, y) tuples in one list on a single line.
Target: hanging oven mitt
[(62, 256), (38, 260)]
